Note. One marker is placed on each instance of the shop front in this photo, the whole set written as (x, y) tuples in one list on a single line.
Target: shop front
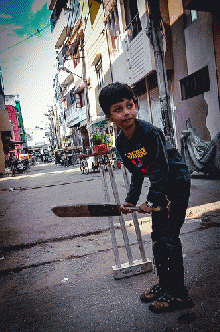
[(103, 132)]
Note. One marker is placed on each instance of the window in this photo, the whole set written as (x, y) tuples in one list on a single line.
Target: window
[(113, 27), (80, 99), (193, 15), (195, 84), (132, 18), (76, 55), (62, 56), (70, 98), (99, 73)]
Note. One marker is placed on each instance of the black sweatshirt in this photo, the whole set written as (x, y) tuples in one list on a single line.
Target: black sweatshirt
[(148, 154)]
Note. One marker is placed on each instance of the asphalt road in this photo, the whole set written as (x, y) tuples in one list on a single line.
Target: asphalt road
[(56, 273)]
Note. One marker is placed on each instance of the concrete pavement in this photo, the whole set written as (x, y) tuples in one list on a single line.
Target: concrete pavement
[(67, 284)]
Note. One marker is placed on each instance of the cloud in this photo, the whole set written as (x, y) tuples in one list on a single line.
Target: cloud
[(36, 18), (37, 5), (5, 16), (8, 36)]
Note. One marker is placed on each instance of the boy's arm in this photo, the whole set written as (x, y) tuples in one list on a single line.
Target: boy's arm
[(158, 171), (136, 181), (135, 188)]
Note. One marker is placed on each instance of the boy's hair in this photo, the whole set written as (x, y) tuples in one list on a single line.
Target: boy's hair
[(114, 93)]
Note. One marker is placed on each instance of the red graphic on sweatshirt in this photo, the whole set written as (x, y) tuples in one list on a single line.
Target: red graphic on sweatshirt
[(139, 166)]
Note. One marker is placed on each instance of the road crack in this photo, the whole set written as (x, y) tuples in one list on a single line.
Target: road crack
[(18, 247), (45, 186)]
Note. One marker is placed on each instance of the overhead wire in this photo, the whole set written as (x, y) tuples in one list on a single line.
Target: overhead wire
[(39, 31), (42, 29), (34, 34)]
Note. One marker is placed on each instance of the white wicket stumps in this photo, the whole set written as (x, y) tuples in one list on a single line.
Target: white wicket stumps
[(131, 267)]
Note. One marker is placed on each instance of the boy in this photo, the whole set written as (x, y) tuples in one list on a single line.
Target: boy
[(144, 152)]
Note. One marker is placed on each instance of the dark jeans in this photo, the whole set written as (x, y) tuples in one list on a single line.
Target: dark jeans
[(167, 248), (164, 227)]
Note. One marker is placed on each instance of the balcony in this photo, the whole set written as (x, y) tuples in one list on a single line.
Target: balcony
[(64, 24), (74, 115), (139, 57), (62, 29)]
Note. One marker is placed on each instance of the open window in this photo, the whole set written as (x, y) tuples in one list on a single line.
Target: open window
[(99, 73), (80, 99), (76, 55), (133, 23), (70, 98), (113, 28)]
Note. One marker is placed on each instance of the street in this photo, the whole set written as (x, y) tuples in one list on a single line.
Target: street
[(56, 273)]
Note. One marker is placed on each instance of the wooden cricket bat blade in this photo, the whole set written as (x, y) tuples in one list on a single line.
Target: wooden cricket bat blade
[(87, 210)]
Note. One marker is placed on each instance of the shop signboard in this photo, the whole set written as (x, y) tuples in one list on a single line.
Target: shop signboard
[(75, 115)]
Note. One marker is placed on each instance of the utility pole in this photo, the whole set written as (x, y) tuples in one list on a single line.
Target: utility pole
[(52, 136), (57, 126), (87, 103), (154, 32)]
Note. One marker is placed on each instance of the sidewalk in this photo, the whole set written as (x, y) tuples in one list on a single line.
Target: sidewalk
[(68, 285)]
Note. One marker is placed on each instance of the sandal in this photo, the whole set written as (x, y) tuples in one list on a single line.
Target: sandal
[(152, 294), (167, 303)]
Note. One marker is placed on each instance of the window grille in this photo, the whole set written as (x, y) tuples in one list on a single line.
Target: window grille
[(100, 74), (195, 84)]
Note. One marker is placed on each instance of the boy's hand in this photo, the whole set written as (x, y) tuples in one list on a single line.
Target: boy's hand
[(125, 207), (144, 208)]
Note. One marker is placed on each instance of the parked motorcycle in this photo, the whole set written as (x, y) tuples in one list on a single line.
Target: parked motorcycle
[(25, 163), (19, 167)]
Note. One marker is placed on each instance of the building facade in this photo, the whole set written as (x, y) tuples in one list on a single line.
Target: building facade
[(71, 92), (108, 41), (15, 116), (5, 130)]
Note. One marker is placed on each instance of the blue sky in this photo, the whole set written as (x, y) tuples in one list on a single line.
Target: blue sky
[(26, 56), (26, 15)]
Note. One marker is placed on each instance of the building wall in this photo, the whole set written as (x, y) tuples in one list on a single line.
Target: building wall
[(187, 49), (193, 49), (199, 53), (15, 136), (5, 126), (95, 46), (216, 31)]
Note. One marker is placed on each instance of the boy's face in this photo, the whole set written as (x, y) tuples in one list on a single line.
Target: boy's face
[(123, 114)]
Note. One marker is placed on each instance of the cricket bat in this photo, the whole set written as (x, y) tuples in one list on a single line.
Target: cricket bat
[(92, 210)]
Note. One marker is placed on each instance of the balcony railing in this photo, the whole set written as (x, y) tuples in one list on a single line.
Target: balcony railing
[(134, 27), (139, 57), (74, 115)]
